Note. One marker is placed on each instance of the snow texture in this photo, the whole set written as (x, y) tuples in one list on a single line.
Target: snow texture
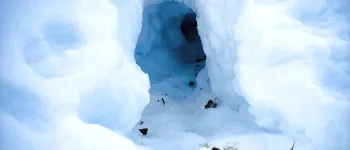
[(88, 74)]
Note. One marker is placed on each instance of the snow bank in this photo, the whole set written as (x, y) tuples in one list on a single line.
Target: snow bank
[(66, 80), (282, 62)]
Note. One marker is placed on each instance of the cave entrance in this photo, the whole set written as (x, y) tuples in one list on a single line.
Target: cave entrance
[(169, 48)]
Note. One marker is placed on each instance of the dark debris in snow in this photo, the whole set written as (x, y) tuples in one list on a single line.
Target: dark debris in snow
[(144, 131), (210, 104)]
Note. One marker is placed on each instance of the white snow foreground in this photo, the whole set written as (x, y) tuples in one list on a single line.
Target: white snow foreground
[(71, 79)]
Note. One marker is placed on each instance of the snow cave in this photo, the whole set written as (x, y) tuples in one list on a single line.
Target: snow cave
[(174, 75), (169, 48)]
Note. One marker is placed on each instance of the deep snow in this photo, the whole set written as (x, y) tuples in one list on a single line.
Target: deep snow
[(84, 74)]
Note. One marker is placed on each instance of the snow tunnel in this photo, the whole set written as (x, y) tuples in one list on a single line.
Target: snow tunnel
[(169, 48)]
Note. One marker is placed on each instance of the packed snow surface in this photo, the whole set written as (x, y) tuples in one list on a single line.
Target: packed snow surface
[(250, 74)]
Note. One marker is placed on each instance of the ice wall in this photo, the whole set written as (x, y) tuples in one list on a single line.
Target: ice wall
[(68, 78), (165, 53), (160, 39)]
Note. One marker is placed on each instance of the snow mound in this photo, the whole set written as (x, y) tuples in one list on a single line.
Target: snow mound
[(61, 65)]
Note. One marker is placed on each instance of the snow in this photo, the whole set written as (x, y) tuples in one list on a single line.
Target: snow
[(70, 84), (88, 74)]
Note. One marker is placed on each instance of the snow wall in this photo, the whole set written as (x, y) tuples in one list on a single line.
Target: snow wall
[(67, 66)]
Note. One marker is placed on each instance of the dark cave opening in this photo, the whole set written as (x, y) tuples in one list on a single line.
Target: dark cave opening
[(169, 48)]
